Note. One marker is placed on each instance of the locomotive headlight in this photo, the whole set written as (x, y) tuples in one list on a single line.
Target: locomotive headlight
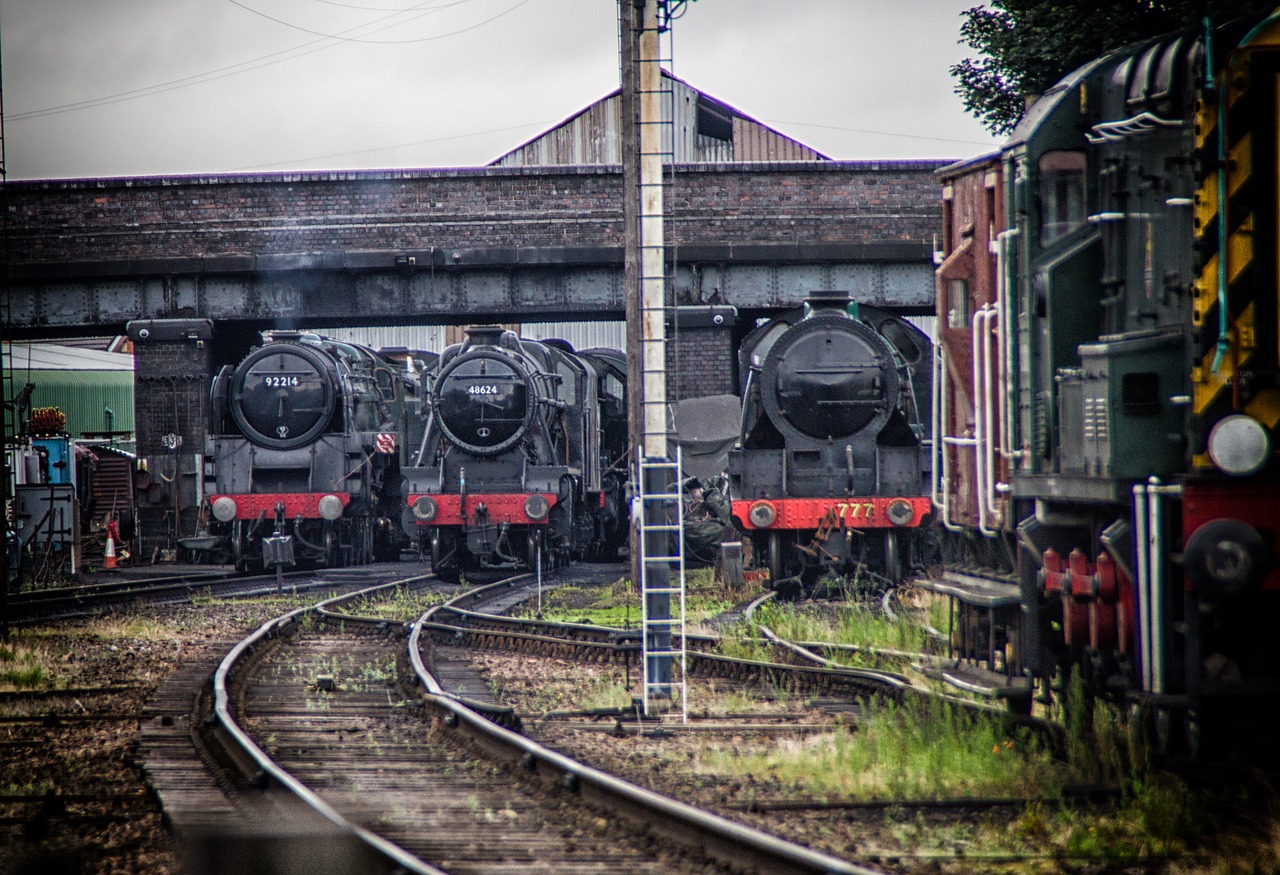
[(224, 509), (762, 514), (330, 507), (1239, 445), (536, 507), (424, 509), (900, 512)]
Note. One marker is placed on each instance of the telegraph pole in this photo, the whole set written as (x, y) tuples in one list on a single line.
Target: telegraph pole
[(10, 414), (644, 280), (630, 18), (644, 260)]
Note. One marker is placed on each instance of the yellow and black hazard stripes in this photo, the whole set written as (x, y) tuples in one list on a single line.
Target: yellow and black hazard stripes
[(1235, 226)]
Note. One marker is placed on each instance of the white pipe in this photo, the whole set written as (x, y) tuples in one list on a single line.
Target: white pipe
[(1140, 507), (1155, 567), (979, 421), (1004, 301), (942, 473), (988, 408), (935, 445), (990, 398), (1001, 345), (947, 440)]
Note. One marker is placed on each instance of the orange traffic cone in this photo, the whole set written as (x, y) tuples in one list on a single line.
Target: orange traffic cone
[(109, 555)]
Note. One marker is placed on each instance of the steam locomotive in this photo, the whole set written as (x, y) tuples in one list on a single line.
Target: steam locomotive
[(1110, 386), (830, 470), (522, 460), (304, 449)]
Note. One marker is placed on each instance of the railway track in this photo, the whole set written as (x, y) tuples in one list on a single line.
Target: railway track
[(827, 698), (309, 708), (472, 618), (211, 809), (43, 606)]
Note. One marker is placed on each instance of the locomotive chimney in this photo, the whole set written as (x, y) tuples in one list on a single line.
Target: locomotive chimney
[(486, 335), (827, 300)]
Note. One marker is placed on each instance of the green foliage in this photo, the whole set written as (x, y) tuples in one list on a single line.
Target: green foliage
[(618, 605), (400, 603), (606, 693), (20, 667), (1028, 45), (850, 624), (927, 749)]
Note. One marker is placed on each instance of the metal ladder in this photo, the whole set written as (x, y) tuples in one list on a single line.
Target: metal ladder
[(660, 515)]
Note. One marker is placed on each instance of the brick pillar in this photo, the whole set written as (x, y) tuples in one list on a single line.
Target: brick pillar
[(171, 377), (700, 354)]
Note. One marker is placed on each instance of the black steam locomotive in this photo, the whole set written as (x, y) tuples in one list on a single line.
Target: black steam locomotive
[(522, 460), (304, 451), (829, 472)]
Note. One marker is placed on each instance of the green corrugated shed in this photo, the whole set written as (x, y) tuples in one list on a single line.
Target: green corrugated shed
[(82, 382), (83, 396)]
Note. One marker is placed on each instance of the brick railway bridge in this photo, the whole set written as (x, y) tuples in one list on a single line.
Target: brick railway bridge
[(205, 262)]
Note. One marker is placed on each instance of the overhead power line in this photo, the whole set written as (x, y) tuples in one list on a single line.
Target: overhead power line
[(357, 39), (324, 42), (396, 146), (881, 133)]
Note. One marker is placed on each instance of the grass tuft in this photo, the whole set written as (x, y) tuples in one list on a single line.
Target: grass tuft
[(929, 750), (21, 667)]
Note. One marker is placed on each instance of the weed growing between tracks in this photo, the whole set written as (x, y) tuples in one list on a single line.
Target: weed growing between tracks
[(850, 622), (1140, 821), (400, 604), (929, 750), (21, 667), (618, 605)]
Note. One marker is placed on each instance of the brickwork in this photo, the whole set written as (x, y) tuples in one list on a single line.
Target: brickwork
[(700, 362), (333, 216), (171, 409), (171, 395), (334, 225)]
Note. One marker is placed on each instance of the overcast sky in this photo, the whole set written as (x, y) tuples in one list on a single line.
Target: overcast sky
[(97, 88)]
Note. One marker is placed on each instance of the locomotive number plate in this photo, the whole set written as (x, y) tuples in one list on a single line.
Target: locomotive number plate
[(279, 382), (855, 510), (482, 389)]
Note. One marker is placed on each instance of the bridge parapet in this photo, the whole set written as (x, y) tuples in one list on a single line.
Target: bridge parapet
[(438, 245)]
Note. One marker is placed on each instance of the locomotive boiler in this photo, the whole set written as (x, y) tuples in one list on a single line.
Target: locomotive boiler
[(522, 461), (1114, 385), (829, 472), (303, 455)]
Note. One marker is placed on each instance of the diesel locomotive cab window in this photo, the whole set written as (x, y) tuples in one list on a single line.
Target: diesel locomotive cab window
[(958, 303), (1061, 195)]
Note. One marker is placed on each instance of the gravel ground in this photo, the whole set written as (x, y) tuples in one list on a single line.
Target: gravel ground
[(700, 769), (94, 758), (68, 665)]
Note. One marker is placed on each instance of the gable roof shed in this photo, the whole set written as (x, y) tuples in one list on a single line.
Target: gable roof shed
[(706, 131)]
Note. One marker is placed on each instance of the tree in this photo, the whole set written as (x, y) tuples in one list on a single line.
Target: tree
[(1031, 44)]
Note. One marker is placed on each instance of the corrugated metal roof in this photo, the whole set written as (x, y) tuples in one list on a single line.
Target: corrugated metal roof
[(706, 130), (581, 335), (426, 337), (51, 356), (927, 324)]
